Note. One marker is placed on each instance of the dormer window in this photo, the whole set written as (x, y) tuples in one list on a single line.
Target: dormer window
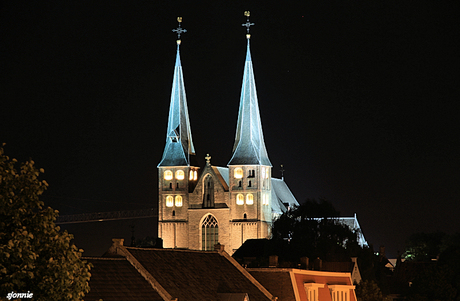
[(238, 173), (341, 292), (239, 199), (312, 291), (168, 175), (249, 199), (180, 175)]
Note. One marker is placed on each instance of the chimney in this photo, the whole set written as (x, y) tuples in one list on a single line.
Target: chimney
[(219, 248), (304, 262), (273, 261), (318, 265), (116, 242)]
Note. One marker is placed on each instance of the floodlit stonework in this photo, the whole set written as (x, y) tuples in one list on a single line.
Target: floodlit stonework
[(239, 199)]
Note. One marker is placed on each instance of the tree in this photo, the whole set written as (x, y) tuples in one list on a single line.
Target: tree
[(313, 230), (368, 290), (35, 256)]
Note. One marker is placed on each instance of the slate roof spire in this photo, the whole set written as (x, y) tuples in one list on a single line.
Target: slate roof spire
[(249, 147), (179, 145)]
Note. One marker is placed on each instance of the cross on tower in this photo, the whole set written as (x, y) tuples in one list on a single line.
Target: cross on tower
[(208, 159), (179, 29), (247, 24)]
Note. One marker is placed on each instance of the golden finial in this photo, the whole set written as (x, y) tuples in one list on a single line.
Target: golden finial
[(179, 30), (247, 24)]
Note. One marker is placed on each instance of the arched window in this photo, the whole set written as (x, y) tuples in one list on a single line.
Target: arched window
[(178, 201), (238, 173), (249, 199), (209, 233), (168, 175), (245, 216), (180, 175), (250, 183), (195, 175), (169, 201), (208, 192), (191, 175), (239, 199)]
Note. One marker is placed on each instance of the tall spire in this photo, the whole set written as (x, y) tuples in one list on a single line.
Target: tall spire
[(249, 147), (179, 145)]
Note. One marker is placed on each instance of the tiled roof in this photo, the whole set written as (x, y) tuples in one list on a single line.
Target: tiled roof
[(196, 275), (278, 283), (115, 279)]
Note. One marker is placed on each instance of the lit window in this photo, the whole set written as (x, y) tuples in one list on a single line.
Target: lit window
[(263, 173), (209, 233), (180, 174), (267, 173), (238, 173), (178, 201), (239, 199), (168, 175), (191, 175), (169, 201), (195, 175), (249, 199)]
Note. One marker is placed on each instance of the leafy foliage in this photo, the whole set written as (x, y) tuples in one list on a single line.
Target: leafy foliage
[(424, 246), (34, 255), (313, 230), (368, 290)]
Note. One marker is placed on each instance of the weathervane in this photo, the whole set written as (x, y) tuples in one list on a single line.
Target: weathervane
[(282, 172), (247, 24), (179, 29)]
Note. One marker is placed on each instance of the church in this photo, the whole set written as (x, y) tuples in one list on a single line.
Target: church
[(228, 205)]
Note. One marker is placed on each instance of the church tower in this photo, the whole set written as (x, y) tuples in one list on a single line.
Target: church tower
[(177, 175), (249, 168)]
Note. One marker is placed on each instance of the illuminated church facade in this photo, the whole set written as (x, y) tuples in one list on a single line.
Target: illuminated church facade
[(228, 205)]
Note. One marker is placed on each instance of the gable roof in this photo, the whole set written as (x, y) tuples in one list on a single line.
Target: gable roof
[(191, 275), (289, 284), (195, 275), (116, 279)]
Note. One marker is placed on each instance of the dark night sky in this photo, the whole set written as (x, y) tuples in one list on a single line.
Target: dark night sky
[(358, 100)]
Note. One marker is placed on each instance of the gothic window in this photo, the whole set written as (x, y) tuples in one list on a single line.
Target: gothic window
[(195, 175), (239, 183), (245, 216), (209, 233), (191, 175), (249, 199), (168, 175), (180, 175), (238, 173), (178, 201), (239, 199), (169, 201), (250, 183), (174, 213), (208, 192)]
